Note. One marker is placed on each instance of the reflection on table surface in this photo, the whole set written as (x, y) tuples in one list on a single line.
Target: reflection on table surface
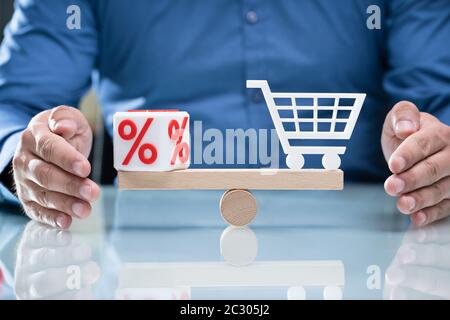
[(174, 245)]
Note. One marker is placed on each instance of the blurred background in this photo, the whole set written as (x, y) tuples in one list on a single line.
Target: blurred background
[(101, 155), (6, 9)]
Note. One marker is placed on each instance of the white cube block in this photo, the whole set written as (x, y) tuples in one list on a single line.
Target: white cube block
[(150, 140)]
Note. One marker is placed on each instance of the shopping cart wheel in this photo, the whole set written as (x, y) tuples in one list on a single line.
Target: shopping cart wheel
[(331, 161), (238, 207), (295, 161)]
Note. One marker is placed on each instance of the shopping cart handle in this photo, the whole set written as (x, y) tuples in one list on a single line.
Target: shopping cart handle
[(257, 84)]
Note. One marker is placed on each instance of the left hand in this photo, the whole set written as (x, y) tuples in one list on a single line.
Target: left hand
[(49, 262), (416, 146)]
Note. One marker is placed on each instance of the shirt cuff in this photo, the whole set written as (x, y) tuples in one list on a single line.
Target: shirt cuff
[(6, 155)]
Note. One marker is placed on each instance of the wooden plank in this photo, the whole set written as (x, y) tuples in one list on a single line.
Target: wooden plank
[(224, 179)]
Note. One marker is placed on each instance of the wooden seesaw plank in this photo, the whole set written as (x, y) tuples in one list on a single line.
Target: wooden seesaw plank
[(224, 179)]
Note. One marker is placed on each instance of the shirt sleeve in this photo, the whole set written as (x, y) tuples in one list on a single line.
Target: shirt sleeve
[(45, 61), (418, 54)]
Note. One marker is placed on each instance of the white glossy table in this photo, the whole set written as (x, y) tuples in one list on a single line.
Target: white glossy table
[(349, 244)]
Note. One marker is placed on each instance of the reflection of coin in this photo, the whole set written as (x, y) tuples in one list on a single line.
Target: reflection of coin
[(238, 245)]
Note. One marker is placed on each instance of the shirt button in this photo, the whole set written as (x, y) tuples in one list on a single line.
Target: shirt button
[(251, 17)]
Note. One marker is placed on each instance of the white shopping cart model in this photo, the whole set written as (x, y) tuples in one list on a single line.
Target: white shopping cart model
[(311, 116)]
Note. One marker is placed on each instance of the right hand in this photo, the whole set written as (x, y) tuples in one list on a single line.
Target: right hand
[(51, 167)]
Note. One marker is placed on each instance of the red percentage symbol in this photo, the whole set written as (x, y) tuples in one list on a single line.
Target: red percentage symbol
[(176, 134), (133, 131)]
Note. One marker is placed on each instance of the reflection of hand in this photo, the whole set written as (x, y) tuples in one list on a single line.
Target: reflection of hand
[(417, 148), (51, 167), (45, 262), (421, 267)]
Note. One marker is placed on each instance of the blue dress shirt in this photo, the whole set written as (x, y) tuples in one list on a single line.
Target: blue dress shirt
[(196, 55)]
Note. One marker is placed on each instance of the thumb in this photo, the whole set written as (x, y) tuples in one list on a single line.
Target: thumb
[(71, 124), (66, 122), (403, 120)]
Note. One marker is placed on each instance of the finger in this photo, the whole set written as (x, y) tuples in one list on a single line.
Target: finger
[(47, 216), (403, 120), (435, 233), (415, 148), (54, 149), (59, 201), (431, 214), (425, 173), (35, 236), (53, 257), (66, 121), (431, 255), (48, 237), (70, 123), (53, 178), (424, 197), (424, 279), (38, 235)]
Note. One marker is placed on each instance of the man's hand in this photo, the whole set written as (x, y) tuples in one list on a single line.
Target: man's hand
[(416, 146), (50, 167), (420, 269), (46, 265)]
